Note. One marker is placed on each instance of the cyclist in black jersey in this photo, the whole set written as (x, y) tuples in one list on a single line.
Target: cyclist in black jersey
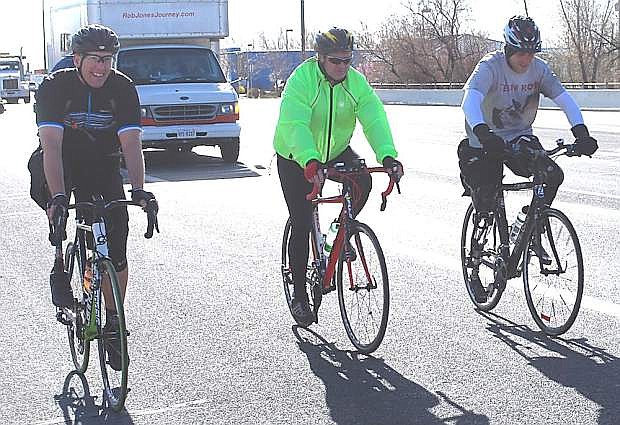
[(86, 116)]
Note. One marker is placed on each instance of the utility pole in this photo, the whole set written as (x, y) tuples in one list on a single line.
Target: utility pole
[(44, 42), (618, 37), (303, 32)]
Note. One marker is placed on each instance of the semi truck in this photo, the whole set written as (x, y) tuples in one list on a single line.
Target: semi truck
[(169, 49), (13, 83)]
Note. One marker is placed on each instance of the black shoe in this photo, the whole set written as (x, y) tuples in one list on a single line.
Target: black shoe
[(540, 252), (62, 294), (480, 294), (301, 312), (113, 343)]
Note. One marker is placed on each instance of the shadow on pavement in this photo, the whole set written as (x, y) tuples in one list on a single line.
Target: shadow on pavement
[(573, 363), (79, 407), (186, 166), (362, 389)]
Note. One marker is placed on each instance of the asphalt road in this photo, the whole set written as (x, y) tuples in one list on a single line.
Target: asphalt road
[(212, 340)]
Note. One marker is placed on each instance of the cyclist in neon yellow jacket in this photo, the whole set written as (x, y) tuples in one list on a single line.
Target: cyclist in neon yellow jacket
[(321, 102)]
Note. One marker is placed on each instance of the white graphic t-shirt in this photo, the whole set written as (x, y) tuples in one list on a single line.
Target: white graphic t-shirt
[(510, 99)]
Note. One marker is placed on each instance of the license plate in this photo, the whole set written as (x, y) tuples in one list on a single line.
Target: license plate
[(186, 133)]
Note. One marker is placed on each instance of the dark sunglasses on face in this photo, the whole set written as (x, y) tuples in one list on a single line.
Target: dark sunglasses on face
[(107, 60), (337, 61)]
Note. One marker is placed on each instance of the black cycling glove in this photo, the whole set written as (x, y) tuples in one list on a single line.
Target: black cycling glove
[(394, 168), (492, 144), (584, 143), (143, 198), (59, 206)]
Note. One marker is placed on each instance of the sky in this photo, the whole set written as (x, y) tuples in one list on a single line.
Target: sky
[(248, 18)]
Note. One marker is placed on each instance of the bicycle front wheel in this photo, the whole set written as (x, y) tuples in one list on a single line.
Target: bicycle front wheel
[(363, 289), (554, 291), (112, 342), (76, 325)]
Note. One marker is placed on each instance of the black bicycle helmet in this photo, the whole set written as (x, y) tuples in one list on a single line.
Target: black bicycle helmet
[(95, 38), (522, 35), (336, 39)]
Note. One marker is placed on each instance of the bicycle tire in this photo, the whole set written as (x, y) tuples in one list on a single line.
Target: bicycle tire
[(313, 284), (554, 304), (114, 381), (79, 346), (490, 261), (363, 297)]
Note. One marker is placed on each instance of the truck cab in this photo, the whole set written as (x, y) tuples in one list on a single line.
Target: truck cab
[(13, 85)]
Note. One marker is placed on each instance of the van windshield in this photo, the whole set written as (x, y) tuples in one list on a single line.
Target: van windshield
[(170, 65), (9, 66)]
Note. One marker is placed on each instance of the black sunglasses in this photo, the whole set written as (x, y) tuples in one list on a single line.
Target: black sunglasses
[(337, 61)]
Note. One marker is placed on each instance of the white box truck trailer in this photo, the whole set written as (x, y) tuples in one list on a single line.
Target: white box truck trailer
[(168, 49)]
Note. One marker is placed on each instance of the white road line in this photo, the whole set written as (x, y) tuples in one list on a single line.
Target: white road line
[(587, 302), (583, 192)]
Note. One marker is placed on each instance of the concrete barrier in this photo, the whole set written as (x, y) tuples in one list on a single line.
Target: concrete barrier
[(586, 99)]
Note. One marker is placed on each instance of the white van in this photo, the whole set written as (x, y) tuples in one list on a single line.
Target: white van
[(169, 50)]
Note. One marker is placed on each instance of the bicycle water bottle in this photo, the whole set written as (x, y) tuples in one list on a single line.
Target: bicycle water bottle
[(331, 236), (517, 226)]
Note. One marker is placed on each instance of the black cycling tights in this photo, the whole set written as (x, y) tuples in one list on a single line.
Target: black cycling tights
[(295, 188)]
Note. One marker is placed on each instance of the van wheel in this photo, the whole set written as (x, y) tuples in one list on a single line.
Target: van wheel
[(230, 151), (27, 99)]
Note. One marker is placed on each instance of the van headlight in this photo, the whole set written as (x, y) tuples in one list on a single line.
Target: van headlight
[(227, 108)]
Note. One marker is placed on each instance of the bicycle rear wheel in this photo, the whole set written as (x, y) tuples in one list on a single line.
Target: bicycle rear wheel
[(484, 260), (112, 342), (313, 282), (363, 289), (553, 292), (78, 344)]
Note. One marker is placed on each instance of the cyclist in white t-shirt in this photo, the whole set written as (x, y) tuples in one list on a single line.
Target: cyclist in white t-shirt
[(500, 104)]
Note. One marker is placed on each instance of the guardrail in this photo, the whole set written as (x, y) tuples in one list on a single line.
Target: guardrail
[(585, 98), (459, 85)]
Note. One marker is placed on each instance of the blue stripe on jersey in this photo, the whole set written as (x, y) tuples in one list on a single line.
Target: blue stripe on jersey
[(129, 127), (50, 124)]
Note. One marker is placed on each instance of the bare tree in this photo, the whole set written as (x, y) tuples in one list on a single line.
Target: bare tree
[(427, 43), (589, 31)]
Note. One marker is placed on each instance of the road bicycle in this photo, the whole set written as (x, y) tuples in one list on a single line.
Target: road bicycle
[(355, 266), (87, 265), (544, 250)]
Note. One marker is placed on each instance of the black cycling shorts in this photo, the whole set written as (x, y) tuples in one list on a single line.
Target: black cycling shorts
[(104, 179)]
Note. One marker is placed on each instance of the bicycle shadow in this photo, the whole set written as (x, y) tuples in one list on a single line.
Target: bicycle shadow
[(590, 370), (78, 405), (362, 389)]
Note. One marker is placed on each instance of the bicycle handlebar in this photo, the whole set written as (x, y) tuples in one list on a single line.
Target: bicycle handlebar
[(570, 150), (340, 171), (151, 210)]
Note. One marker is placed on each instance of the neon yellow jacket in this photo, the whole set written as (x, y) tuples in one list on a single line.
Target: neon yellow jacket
[(317, 120)]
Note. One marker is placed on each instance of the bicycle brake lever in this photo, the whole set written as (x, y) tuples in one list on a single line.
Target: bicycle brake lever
[(383, 202)]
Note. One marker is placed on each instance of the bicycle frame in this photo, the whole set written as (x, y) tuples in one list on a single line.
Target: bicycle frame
[(100, 251), (513, 259), (327, 266)]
